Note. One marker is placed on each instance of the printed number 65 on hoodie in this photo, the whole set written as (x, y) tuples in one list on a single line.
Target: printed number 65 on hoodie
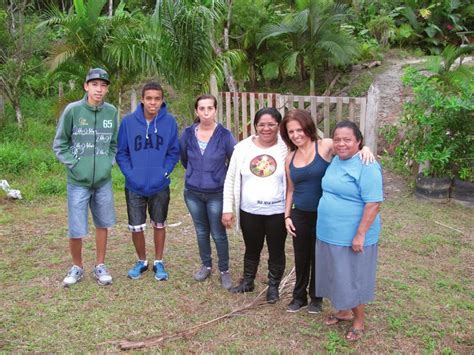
[(107, 123)]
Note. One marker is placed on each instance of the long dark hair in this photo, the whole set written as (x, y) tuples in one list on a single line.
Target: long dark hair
[(303, 117)]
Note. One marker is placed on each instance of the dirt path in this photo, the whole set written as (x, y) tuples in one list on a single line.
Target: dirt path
[(392, 93)]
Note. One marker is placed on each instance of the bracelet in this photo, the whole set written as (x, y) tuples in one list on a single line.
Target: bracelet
[(287, 217)]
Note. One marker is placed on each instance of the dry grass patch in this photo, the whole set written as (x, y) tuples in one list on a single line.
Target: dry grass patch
[(424, 296)]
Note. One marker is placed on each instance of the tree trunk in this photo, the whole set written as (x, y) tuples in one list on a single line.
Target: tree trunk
[(301, 69), (229, 77), (17, 108), (111, 8), (253, 77), (119, 105), (312, 79)]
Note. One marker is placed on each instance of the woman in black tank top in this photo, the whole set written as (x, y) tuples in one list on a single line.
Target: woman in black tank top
[(306, 165)]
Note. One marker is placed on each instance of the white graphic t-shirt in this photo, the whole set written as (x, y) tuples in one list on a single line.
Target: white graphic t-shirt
[(263, 176)]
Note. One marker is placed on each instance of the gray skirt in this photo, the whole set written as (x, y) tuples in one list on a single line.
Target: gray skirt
[(346, 278)]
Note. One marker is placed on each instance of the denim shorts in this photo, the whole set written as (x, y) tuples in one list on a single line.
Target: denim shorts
[(157, 208), (101, 202)]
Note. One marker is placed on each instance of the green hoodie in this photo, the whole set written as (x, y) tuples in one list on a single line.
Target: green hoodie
[(86, 142)]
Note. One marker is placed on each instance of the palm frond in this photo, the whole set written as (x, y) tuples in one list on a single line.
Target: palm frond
[(270, 70), (290, 63)]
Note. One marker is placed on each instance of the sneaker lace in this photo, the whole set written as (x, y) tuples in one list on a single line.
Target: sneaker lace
[(102, 269), (139, 265), (74, 271), (159, 267)]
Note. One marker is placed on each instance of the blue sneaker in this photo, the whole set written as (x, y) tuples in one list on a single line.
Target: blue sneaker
[(160, 273), (137, 270)]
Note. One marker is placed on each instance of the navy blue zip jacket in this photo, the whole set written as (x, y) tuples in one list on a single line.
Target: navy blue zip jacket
[(206, 172), (147, 154)]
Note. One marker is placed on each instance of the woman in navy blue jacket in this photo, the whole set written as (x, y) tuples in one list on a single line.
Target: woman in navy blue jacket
[(206, 148)]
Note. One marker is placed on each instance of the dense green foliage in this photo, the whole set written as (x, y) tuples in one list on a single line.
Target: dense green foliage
[(438, 126), (289, 46)]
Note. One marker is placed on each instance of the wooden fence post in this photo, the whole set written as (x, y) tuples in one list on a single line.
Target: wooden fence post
[(369, 128), (133, 100)]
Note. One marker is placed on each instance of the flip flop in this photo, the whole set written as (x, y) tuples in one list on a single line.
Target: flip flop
[(333, 319), (354, 334)]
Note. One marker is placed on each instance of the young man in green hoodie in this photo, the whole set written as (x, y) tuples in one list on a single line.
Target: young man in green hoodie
[(86, 143)]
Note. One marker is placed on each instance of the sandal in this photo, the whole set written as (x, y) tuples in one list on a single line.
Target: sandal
[(354, 334), (334, 319)]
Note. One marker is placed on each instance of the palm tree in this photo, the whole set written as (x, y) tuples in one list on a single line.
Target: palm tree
[(189, 49), (442, 65), (121, 43), (316, 36)]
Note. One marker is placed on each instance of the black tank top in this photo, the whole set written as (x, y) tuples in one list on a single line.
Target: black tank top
[(307, 182)]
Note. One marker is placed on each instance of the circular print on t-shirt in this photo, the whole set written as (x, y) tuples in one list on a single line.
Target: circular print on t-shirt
[(263, 165)]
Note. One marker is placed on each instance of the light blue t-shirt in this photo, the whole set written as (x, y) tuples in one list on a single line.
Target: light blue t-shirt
[(347, 186)]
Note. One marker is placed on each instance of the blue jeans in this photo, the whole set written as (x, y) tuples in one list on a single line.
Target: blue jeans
[(206, 212), (100, 200)]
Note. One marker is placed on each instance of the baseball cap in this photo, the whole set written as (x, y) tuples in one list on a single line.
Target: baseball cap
[(97, 73)]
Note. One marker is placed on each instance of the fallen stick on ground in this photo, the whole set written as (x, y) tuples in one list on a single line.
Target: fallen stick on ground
[(454, 229), (286, 287)]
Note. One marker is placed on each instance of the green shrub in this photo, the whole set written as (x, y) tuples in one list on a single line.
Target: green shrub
[(382, 27), (14, 158), (51, 185), (438, 125), (370, 50)]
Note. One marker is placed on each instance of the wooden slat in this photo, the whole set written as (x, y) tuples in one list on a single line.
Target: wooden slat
[(363, 104), (236, 115), (283, 103), (351, 109), (244, 116), (290, 101), (326, 116), (317, 115), (270, 100), (301, 102), (227, 112), (314, 110), (339, 109), (219, 108), (220, 104), (252, 113), (261, 103), (280, 104)]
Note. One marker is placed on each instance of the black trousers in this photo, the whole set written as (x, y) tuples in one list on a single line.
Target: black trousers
[(255, 228), (303, 245)]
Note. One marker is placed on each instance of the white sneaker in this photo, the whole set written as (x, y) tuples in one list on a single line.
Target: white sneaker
[(102, 275), (74, 275)]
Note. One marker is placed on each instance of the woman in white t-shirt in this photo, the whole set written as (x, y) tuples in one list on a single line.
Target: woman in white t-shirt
[(254, 190)]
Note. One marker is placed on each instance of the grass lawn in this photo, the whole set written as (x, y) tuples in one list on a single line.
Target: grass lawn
[(424, 303)]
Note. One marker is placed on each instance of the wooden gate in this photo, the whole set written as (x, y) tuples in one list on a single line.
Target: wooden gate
[(237, 111)]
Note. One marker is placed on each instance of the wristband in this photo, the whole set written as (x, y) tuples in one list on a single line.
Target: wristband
[(287, 217)]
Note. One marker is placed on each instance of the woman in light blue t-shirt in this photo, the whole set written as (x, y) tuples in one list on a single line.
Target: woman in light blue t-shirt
[(348, 229)]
